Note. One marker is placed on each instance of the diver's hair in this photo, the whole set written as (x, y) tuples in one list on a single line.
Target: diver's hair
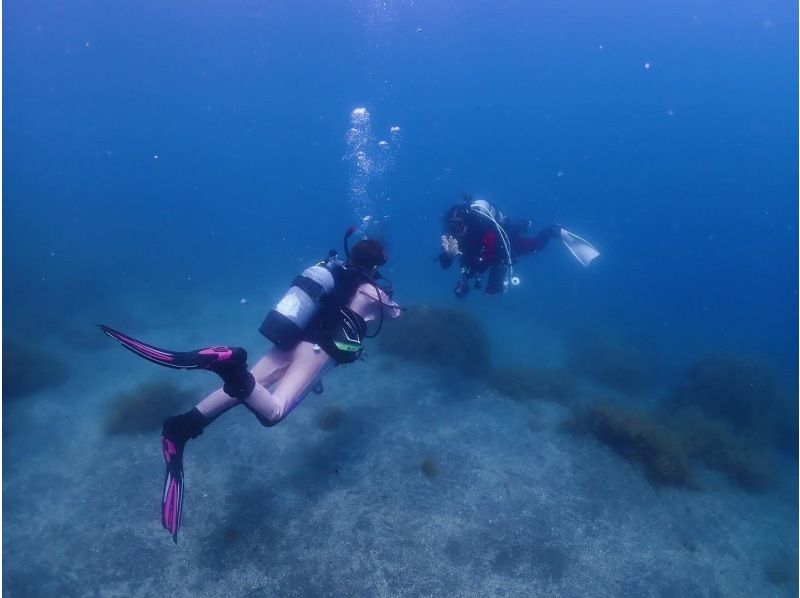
[(367, 254)]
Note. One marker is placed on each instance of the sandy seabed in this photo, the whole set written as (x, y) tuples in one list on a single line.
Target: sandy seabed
[(394, 482)]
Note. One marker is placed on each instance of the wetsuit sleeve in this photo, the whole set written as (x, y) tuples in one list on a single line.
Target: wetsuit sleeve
[(523, 245), (445, 260)]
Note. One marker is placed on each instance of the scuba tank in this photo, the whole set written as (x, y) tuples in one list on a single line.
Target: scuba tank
[(287, 321), (485, 209)]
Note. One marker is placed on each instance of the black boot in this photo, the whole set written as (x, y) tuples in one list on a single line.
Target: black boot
[(180, 428), (237, 381)]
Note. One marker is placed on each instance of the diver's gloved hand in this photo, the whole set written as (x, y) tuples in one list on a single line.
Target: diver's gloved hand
[(449, 246), (462, 287)]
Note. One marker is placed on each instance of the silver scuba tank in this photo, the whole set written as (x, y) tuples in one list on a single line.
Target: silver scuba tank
[(487, 210), (287, 321)]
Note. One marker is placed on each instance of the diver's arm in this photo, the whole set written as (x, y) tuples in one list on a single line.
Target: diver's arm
[(445, 261), (370, 299)]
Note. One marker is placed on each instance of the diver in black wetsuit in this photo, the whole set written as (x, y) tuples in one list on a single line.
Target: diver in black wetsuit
[(485, 240)]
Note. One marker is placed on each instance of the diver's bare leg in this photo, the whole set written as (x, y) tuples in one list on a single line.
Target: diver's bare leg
[(266, 372), (307, 366)]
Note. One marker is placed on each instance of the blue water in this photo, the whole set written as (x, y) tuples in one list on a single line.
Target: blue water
[(175, 165)]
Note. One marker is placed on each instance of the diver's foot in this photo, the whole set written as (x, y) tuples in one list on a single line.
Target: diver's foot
[(180, 428), (230, 364)]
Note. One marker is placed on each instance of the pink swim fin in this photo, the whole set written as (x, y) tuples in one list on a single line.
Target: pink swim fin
[(172, 501), (229, 363)]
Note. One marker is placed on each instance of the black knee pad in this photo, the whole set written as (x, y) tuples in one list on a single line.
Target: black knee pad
[(239, 384)]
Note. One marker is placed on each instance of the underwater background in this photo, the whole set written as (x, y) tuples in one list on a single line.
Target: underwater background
[(627, 429)]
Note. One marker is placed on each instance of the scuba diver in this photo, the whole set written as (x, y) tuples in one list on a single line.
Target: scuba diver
[(484, 239), (319, 323)]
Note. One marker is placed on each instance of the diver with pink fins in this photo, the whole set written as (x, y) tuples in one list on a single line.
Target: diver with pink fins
[(319, 323)]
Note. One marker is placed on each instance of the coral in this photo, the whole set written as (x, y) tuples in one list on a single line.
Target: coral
[(638, 438), (143, 409), (28, 370), (430, 467), (448, 338), (613, 363), (524, 383), (331, 418), (718, 446), (737, 389), (780, 569), (667, 445)]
